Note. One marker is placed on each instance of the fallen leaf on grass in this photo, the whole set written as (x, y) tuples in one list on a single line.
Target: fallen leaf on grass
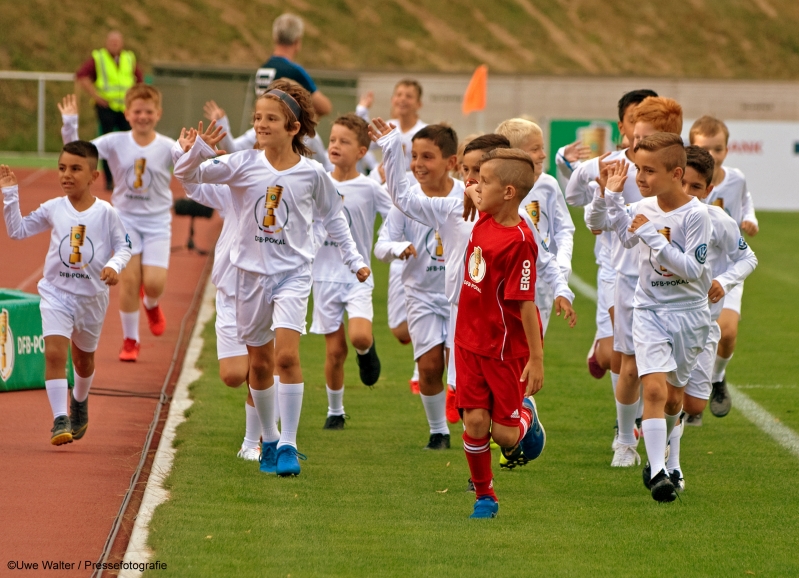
[(444, 491), (208, 537)]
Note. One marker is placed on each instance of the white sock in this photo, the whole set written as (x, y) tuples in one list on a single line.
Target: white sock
[(614, 379), (82, 384), (674, 448), (130, 325), (264, 400), (671, 420), (290, 408), (57, 394), (277, 400), (252, 427), (640, 413), (435, 406), (720, 368), (655, 441), (626, 417), (415, 376), (335, 401), (149, 302)]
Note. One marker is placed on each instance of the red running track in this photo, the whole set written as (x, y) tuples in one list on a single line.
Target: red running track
[(60, 503)]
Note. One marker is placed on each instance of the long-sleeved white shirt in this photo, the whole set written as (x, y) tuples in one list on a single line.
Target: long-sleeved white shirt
[(732, 195), (82, 243), (275, 210), (141, 174), (547, 210)]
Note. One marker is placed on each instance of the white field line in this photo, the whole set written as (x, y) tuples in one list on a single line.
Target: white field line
[(783, 435), (154, 492)]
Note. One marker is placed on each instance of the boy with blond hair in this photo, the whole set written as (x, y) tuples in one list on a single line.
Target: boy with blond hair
[(141, 163), (732, 195)]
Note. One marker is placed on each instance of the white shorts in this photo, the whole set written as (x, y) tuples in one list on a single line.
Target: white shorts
[(75, 317), (266, 303), (227, 339), (623, 314), (605, 289), (428, 321), (544, 299), (669, 341), (453, 319), (732, 300), (331, 299), (397, 315), (700, 384), (153, 241)]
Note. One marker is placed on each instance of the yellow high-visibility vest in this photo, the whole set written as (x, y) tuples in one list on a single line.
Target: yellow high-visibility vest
[(113, 80)]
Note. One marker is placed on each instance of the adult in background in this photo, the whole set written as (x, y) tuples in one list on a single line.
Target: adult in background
[(287, 31), (107, 76)]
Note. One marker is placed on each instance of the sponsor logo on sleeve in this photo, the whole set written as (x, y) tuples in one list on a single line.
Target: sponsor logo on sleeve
[(701, 253), (742, 244), (525, 282)]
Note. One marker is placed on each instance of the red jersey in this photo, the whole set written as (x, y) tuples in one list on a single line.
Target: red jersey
[(500, 272)]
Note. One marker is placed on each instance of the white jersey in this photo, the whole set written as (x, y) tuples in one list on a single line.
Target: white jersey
[(81, 242), (275, 210), (580, 191), (732, 195), (547, 210), (363, 201), (672, 252), (141, 174), (730, 258)]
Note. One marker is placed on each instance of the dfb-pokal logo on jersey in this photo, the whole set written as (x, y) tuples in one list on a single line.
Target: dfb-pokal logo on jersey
[(139, 178), (76, 250), (477, 265), (540, 219), (660, 270), (6, 346), (434, 246), (270, 211)]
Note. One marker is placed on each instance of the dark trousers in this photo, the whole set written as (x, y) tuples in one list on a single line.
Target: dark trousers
[(110, 121)]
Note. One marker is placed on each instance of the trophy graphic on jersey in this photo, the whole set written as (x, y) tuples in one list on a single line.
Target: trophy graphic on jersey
[(666, 232), (76, 236), (534, 211), (138, 169), (3, 340), (272, 202), (478, 258), (439, 246), (719, 203)]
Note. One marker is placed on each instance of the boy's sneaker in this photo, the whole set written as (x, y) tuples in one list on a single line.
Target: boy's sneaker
[(62, 431), (720, 400), (509, 458), (268, 459), (677, 480), (535, 439), (694, 420), (414, 385), (485, 508), (453, 416), (438, 442), (249, 454), (129, 351), (156, 319), (369, 366), (288, 463), (78, 416), (334, 422), (625, 457), (615, 444), (662, 489), (596, 370)]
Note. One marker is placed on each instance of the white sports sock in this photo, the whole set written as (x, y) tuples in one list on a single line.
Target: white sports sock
[(415, 376), (277, 400), (57, 394), (626, 417), (264, 400), (655, 441), (335, 401), (720, 368), (252, 427), (614, 379), (671, 420), (149, 302), (674, 448), (640, 413), (435, 406), (130, 325), (82, 384), (290, 408)]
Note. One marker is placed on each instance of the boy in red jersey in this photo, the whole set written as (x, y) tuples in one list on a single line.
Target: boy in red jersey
[(499, 356)]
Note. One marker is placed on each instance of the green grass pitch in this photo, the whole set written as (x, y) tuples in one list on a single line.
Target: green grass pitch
[(370, 502)]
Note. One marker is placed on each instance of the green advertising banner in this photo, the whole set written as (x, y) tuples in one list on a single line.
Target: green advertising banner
[(22, 343), (600, 135)]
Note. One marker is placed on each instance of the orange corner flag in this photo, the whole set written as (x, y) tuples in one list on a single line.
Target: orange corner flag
[(474, 99)]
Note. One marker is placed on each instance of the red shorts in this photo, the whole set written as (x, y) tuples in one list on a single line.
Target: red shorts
[(491, 384)]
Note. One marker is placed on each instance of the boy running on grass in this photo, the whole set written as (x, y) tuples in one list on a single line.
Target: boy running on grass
[(78, 269)]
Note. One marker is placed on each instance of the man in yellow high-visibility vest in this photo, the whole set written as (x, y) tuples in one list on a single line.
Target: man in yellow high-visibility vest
[(107, 76)]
